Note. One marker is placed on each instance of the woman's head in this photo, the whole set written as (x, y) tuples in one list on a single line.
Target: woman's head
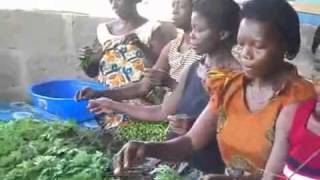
[(214, 24), (269, 32), (124, 8), (181, 13)]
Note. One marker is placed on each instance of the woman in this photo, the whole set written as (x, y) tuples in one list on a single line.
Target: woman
[(296, 150), (175, 57), (126, 47), (244, 107), (213, 33)]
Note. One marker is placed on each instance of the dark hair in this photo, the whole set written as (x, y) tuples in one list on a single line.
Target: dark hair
[(223, 15), (282, 16), (316, 40)]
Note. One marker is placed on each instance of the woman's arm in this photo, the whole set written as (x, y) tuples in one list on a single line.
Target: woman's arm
[(145, 113), (280, 148), (159, 75), (179, 149), (132, 90), (159, 39)]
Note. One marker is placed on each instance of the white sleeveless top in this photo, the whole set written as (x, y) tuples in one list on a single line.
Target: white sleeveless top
[(144, 32)]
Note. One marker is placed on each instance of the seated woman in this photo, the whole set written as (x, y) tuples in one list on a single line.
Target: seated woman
[(175, 57), (296, 150), (214, 28), (126, 47), (244, 107)]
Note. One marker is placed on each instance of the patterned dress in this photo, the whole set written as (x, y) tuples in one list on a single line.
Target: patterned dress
[(123, 62)]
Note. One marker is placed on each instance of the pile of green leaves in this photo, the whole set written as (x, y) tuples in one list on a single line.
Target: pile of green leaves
[(38, 150), (164, 172), (143, 131)]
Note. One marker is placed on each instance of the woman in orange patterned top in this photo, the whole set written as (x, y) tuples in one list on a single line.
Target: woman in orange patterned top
[(245, 106)]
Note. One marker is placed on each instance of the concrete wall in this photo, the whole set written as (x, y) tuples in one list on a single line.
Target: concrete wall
[(305, 58), (42, 45)]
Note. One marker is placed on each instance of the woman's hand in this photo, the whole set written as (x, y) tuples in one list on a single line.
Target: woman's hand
[(100, 105), (84, 52), (87, 93), (133, 39), (89, 54), (180, 124), (131, 154)]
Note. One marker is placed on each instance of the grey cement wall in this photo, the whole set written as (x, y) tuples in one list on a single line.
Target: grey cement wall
[(305, 58), (42, 45), (36, 46)]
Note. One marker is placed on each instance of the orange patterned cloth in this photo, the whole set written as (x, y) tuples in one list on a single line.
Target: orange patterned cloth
[(122, 63), (217, 83), (246, 138)]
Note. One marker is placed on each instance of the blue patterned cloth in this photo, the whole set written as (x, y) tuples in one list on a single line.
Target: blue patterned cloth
[(21, 110)]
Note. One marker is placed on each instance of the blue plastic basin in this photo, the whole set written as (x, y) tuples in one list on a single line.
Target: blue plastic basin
[(57, 97)]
